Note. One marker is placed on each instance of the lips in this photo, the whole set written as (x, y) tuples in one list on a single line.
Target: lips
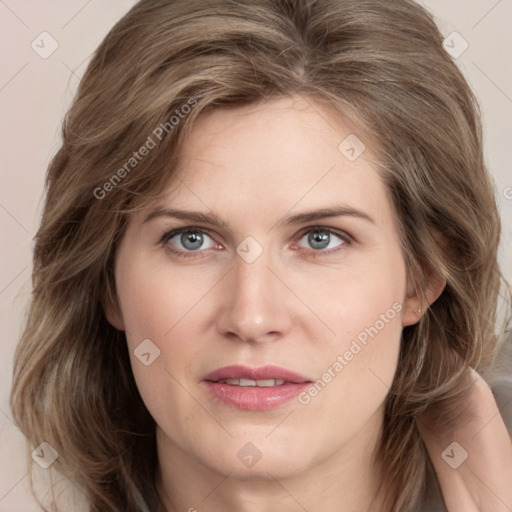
[(255, 389), (263, 373)]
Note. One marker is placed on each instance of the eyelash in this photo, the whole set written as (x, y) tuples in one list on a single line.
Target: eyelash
[(345, 237)]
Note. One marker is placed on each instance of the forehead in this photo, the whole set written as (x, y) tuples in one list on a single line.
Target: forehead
[(285, 153), (268, 136)]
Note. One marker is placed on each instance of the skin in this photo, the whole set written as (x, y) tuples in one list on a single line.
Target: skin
[(482, 480), (253, 166)]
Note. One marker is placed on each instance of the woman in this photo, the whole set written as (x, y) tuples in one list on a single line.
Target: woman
[(266, 271)]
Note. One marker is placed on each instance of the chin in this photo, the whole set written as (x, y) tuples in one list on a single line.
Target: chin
[(258, 461)]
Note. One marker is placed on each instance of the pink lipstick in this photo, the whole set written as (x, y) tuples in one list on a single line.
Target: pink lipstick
[(260, 388)]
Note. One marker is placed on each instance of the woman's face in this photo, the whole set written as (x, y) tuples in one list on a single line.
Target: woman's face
[(274, 284)]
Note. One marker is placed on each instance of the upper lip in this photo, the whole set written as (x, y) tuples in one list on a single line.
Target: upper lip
[(262, 373)]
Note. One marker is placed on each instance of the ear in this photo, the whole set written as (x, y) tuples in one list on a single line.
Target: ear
[(416, 303), (112, 310)]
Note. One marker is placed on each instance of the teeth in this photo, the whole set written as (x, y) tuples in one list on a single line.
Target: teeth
[(266, 383)]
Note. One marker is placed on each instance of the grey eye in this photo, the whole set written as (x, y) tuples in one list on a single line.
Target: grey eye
[(190, 240), (322, 239)]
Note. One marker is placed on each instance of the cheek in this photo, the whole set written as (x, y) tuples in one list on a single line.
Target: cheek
[(166, 316), (363, 310), (365, 295), (150, 304), (145, 320)]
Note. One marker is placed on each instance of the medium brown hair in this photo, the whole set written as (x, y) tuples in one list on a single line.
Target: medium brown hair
[(379, 64)]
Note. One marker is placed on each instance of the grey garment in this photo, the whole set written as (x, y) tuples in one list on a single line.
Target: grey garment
[(434, 499), (500, 381)]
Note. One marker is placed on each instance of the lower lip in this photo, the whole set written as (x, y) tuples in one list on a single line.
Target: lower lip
[(253, 397)]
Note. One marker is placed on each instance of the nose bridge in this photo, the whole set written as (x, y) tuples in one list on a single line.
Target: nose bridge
[(255, 302)]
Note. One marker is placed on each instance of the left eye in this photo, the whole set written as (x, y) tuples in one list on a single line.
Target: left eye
[(321, 238)]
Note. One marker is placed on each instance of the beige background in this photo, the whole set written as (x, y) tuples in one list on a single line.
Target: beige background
[(34, 95)]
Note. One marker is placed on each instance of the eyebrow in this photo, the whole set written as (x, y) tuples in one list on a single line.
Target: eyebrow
[(299, 218)]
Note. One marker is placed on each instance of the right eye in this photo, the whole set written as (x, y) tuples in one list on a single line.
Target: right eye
[(190, 239)]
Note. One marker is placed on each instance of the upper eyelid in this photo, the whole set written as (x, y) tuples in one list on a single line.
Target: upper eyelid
[(171, 233)]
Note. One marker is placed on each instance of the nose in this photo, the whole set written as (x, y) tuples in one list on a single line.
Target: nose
[(256, 303)]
